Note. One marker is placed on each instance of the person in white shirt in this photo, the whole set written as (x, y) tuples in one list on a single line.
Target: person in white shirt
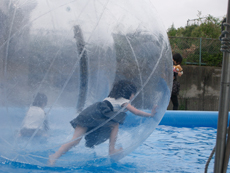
[(35, 121)]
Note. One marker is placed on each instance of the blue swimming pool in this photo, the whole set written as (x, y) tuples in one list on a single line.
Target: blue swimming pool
[(168, 149)]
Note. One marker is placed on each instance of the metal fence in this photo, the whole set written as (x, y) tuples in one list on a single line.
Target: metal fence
[(198, 51)]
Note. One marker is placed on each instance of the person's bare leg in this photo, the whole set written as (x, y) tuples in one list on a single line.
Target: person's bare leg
[(79, 131), (112, 140)]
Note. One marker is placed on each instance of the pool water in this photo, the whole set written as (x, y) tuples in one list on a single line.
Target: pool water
[(168, 149)]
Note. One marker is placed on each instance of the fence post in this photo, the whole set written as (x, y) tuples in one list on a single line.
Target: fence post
[(200, 51)]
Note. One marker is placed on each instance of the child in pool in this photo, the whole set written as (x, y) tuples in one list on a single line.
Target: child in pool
[(106, 114), (35, 117)]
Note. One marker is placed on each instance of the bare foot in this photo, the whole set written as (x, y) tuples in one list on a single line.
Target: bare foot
[(51, 160), (114, 151)]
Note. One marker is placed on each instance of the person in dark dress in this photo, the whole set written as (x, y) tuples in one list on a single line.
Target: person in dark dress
[(177, 59), (101, 120)]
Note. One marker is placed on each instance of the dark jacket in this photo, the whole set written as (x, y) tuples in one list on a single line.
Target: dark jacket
[(176, 87)]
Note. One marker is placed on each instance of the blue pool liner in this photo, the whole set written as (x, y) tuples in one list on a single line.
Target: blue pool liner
[(190, 119)]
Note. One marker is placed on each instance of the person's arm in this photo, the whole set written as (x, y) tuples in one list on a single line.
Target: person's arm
[(45, 122), (139, 112), (46, 125)]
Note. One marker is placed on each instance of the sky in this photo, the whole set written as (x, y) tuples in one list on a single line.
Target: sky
[(177, 12)]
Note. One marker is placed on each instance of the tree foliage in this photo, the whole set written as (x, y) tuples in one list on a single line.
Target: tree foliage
[(205, 27), (198, 41)]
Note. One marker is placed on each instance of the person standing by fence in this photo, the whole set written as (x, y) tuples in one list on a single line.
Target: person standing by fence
[(177, 59)]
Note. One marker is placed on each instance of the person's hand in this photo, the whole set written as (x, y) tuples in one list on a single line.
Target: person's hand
[(180, 74)]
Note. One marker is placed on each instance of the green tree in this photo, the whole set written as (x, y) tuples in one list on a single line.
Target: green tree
[(207, 27), (172, 31), (202, 34)]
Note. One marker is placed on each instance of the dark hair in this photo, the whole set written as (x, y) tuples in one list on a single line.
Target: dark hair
[(122, 88), (177, 57), (40, 100)]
